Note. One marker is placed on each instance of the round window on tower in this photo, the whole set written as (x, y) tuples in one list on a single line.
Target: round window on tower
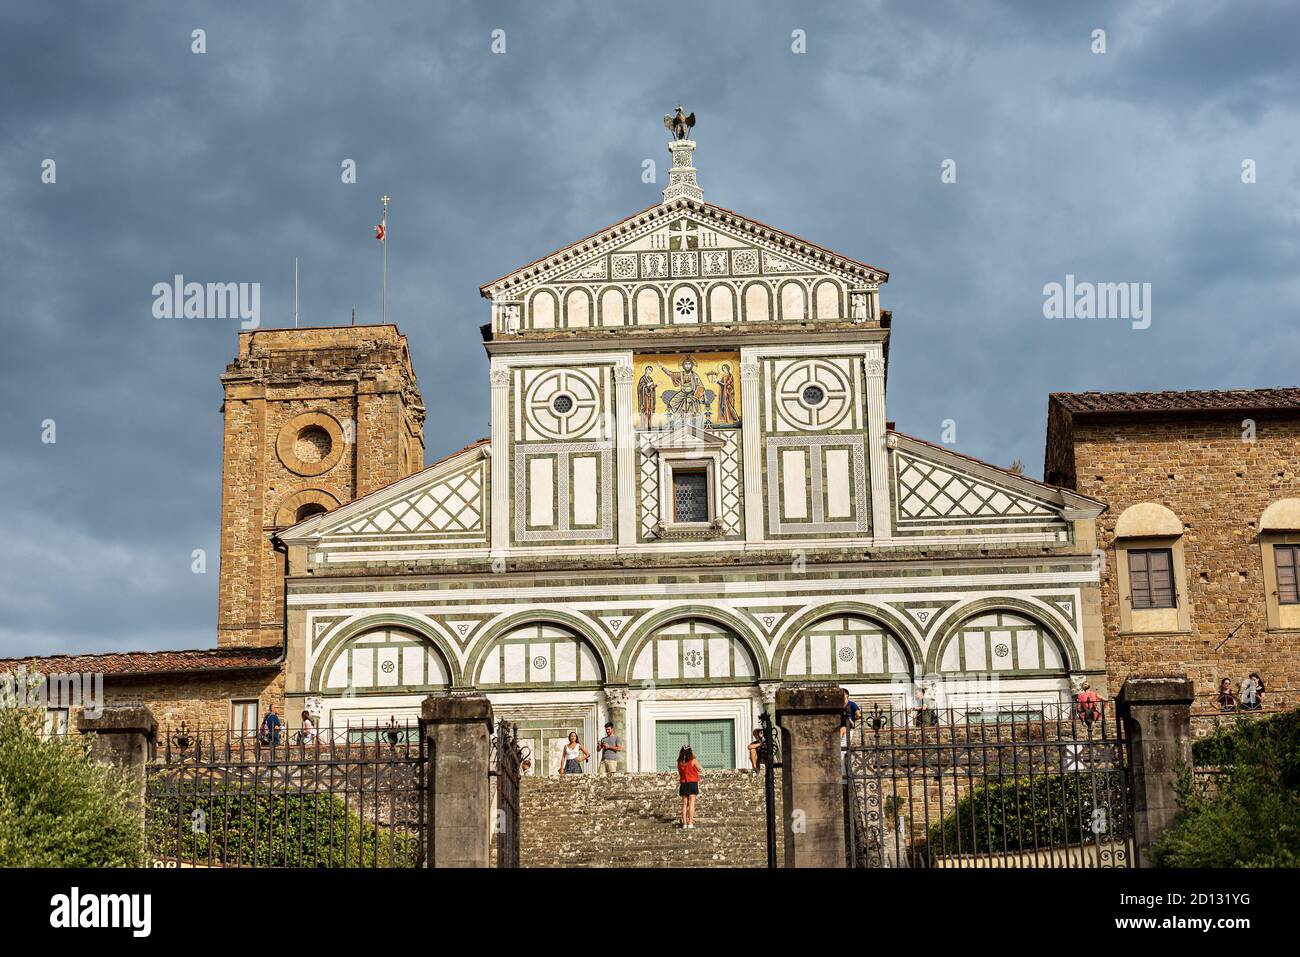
[(310, 443), (562, 404)]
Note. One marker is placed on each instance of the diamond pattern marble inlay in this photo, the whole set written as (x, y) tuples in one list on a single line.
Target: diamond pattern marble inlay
[(927, 490), (452, 505)]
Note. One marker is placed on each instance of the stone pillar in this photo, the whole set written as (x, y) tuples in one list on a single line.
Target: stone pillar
[(1157, 716), (125, 736), (499, 376), (459, 819), (877, 450), (751, 435), (616, 706), (624, 433), (812, 779)]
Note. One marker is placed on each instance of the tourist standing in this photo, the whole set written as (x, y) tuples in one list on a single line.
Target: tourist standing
[(688, 786), (574, 755), (307, 734), (1252, 691), (609, 747), (1226, 699), (271, 724)]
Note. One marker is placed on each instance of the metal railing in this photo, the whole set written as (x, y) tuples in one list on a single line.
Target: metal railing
[(343, 797), (505, 766), (1038, 785)]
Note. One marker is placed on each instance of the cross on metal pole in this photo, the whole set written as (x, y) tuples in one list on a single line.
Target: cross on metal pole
[(384, 199)]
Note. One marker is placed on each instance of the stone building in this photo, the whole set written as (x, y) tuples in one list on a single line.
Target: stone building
[(1201, 533), (314, 418), (689, 494)]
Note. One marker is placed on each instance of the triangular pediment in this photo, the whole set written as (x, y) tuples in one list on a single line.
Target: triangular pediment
[(684, 436), (937, 487), (683, 240), (447, 501)]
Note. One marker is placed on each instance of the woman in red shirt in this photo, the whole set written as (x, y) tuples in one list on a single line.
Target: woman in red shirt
[(688, 774)]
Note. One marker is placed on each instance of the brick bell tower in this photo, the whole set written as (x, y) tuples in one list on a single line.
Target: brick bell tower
[(314, 418)]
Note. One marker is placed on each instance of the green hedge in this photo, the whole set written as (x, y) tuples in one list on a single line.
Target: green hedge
[(58, 806), (273, 830), (1026, 813), (1250, 816)]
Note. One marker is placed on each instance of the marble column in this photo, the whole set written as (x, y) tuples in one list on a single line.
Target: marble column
[(750, 432), (877, 452), (616, 714), (625, 449), (500, 379)]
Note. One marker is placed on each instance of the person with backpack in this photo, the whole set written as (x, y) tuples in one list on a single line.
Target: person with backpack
[(271, 725), (1088, 704)]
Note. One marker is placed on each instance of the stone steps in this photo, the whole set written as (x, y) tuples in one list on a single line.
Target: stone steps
[(630, 820)]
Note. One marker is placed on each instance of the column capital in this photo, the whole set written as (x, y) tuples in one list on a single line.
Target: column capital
[(616, 695)]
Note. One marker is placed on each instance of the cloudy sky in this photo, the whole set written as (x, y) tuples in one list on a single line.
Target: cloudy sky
[(1122, 166)]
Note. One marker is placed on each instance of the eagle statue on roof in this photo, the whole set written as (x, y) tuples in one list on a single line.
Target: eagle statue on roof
[(679, 123)]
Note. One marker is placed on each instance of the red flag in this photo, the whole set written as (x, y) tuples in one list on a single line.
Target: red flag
[(379, 232)]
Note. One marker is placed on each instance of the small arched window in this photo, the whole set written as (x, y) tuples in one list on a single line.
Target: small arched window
[(307, 511)]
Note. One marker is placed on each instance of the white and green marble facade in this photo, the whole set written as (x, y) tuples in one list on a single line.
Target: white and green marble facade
[(542, 568)]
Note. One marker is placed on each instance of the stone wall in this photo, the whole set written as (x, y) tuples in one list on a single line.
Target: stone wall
[(1199, 467), (354, 386), (201, 700)]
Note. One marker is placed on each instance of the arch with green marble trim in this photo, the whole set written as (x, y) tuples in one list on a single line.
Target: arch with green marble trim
[(582, 629), (1040, 617), (730, 620), (889, 621), (347, 635)]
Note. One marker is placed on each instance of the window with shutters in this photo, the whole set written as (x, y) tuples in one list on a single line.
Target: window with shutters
[(243, 716), (691, 495), (1151, 580), (1287, 561)]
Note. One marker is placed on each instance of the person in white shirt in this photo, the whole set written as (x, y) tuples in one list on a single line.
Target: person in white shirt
[(575, 755)]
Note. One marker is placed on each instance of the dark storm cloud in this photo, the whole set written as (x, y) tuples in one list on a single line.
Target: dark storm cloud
[(223, 167)]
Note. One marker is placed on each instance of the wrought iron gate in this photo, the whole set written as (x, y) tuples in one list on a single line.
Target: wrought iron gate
[(506, 765), (354, 797), (1031, 786), (769, 754)]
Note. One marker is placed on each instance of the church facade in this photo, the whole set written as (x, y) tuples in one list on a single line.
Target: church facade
[(690, 494)]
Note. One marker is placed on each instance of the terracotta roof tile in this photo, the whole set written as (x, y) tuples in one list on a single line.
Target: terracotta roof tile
[(447, 458), (1225, 400), (149, 662)]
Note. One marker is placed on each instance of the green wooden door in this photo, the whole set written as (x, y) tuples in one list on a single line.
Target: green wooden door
[(714, 742)]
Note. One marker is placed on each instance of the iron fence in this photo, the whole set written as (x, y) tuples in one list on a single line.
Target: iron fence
[(505, 765), (345, 797), (1043, 785), (769, 759)]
